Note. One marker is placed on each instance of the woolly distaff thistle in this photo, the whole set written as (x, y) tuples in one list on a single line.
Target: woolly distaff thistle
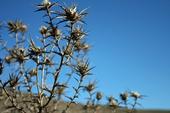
[(39, 72), (62, 46)]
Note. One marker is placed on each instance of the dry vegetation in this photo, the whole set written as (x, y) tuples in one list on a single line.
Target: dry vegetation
[(74, 108), (39, 71)]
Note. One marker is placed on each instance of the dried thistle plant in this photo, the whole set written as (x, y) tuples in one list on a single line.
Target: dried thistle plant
[(34, 68), (53, 44), (128, 101)]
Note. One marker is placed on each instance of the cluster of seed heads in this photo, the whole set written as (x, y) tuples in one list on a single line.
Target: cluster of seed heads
[(37, 65), (134, 94), (54, 32)]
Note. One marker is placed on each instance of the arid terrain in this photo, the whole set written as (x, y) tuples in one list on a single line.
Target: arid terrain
[(76, 108)]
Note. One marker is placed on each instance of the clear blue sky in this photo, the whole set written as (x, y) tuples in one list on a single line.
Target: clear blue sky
[(130, 39)]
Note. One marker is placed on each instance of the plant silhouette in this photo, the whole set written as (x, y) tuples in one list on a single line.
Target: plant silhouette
[(59, 52)]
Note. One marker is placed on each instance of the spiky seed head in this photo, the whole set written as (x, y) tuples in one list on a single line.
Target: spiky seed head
[(83, 68), (19, 54), (71, 14), (124, 96), (16, 26), (55, 32), (35, 51), (43, 30), (112, 102), (135, 94), (90, 87), (99, 95), (77, 33)]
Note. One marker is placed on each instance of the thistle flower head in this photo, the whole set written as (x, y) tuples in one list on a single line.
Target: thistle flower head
[(135, 94), (90, 87), (124, 96), (16, 54), (77, 33), (16, 26), (71, 14), (99, 95), (112, 102), (55, 32), (83, 68), (43, 30)]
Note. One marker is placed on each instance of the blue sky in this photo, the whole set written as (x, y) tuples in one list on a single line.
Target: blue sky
[(130, 40)]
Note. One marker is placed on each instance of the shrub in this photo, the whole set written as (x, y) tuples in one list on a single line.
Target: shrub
[(42, 70)]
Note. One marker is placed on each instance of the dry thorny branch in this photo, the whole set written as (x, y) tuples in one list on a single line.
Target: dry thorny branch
[(36, 67)]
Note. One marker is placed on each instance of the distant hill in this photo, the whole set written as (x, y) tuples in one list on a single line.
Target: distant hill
[(75, 108)]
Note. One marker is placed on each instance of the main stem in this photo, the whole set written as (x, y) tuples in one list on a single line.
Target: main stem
[(16, 39)]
